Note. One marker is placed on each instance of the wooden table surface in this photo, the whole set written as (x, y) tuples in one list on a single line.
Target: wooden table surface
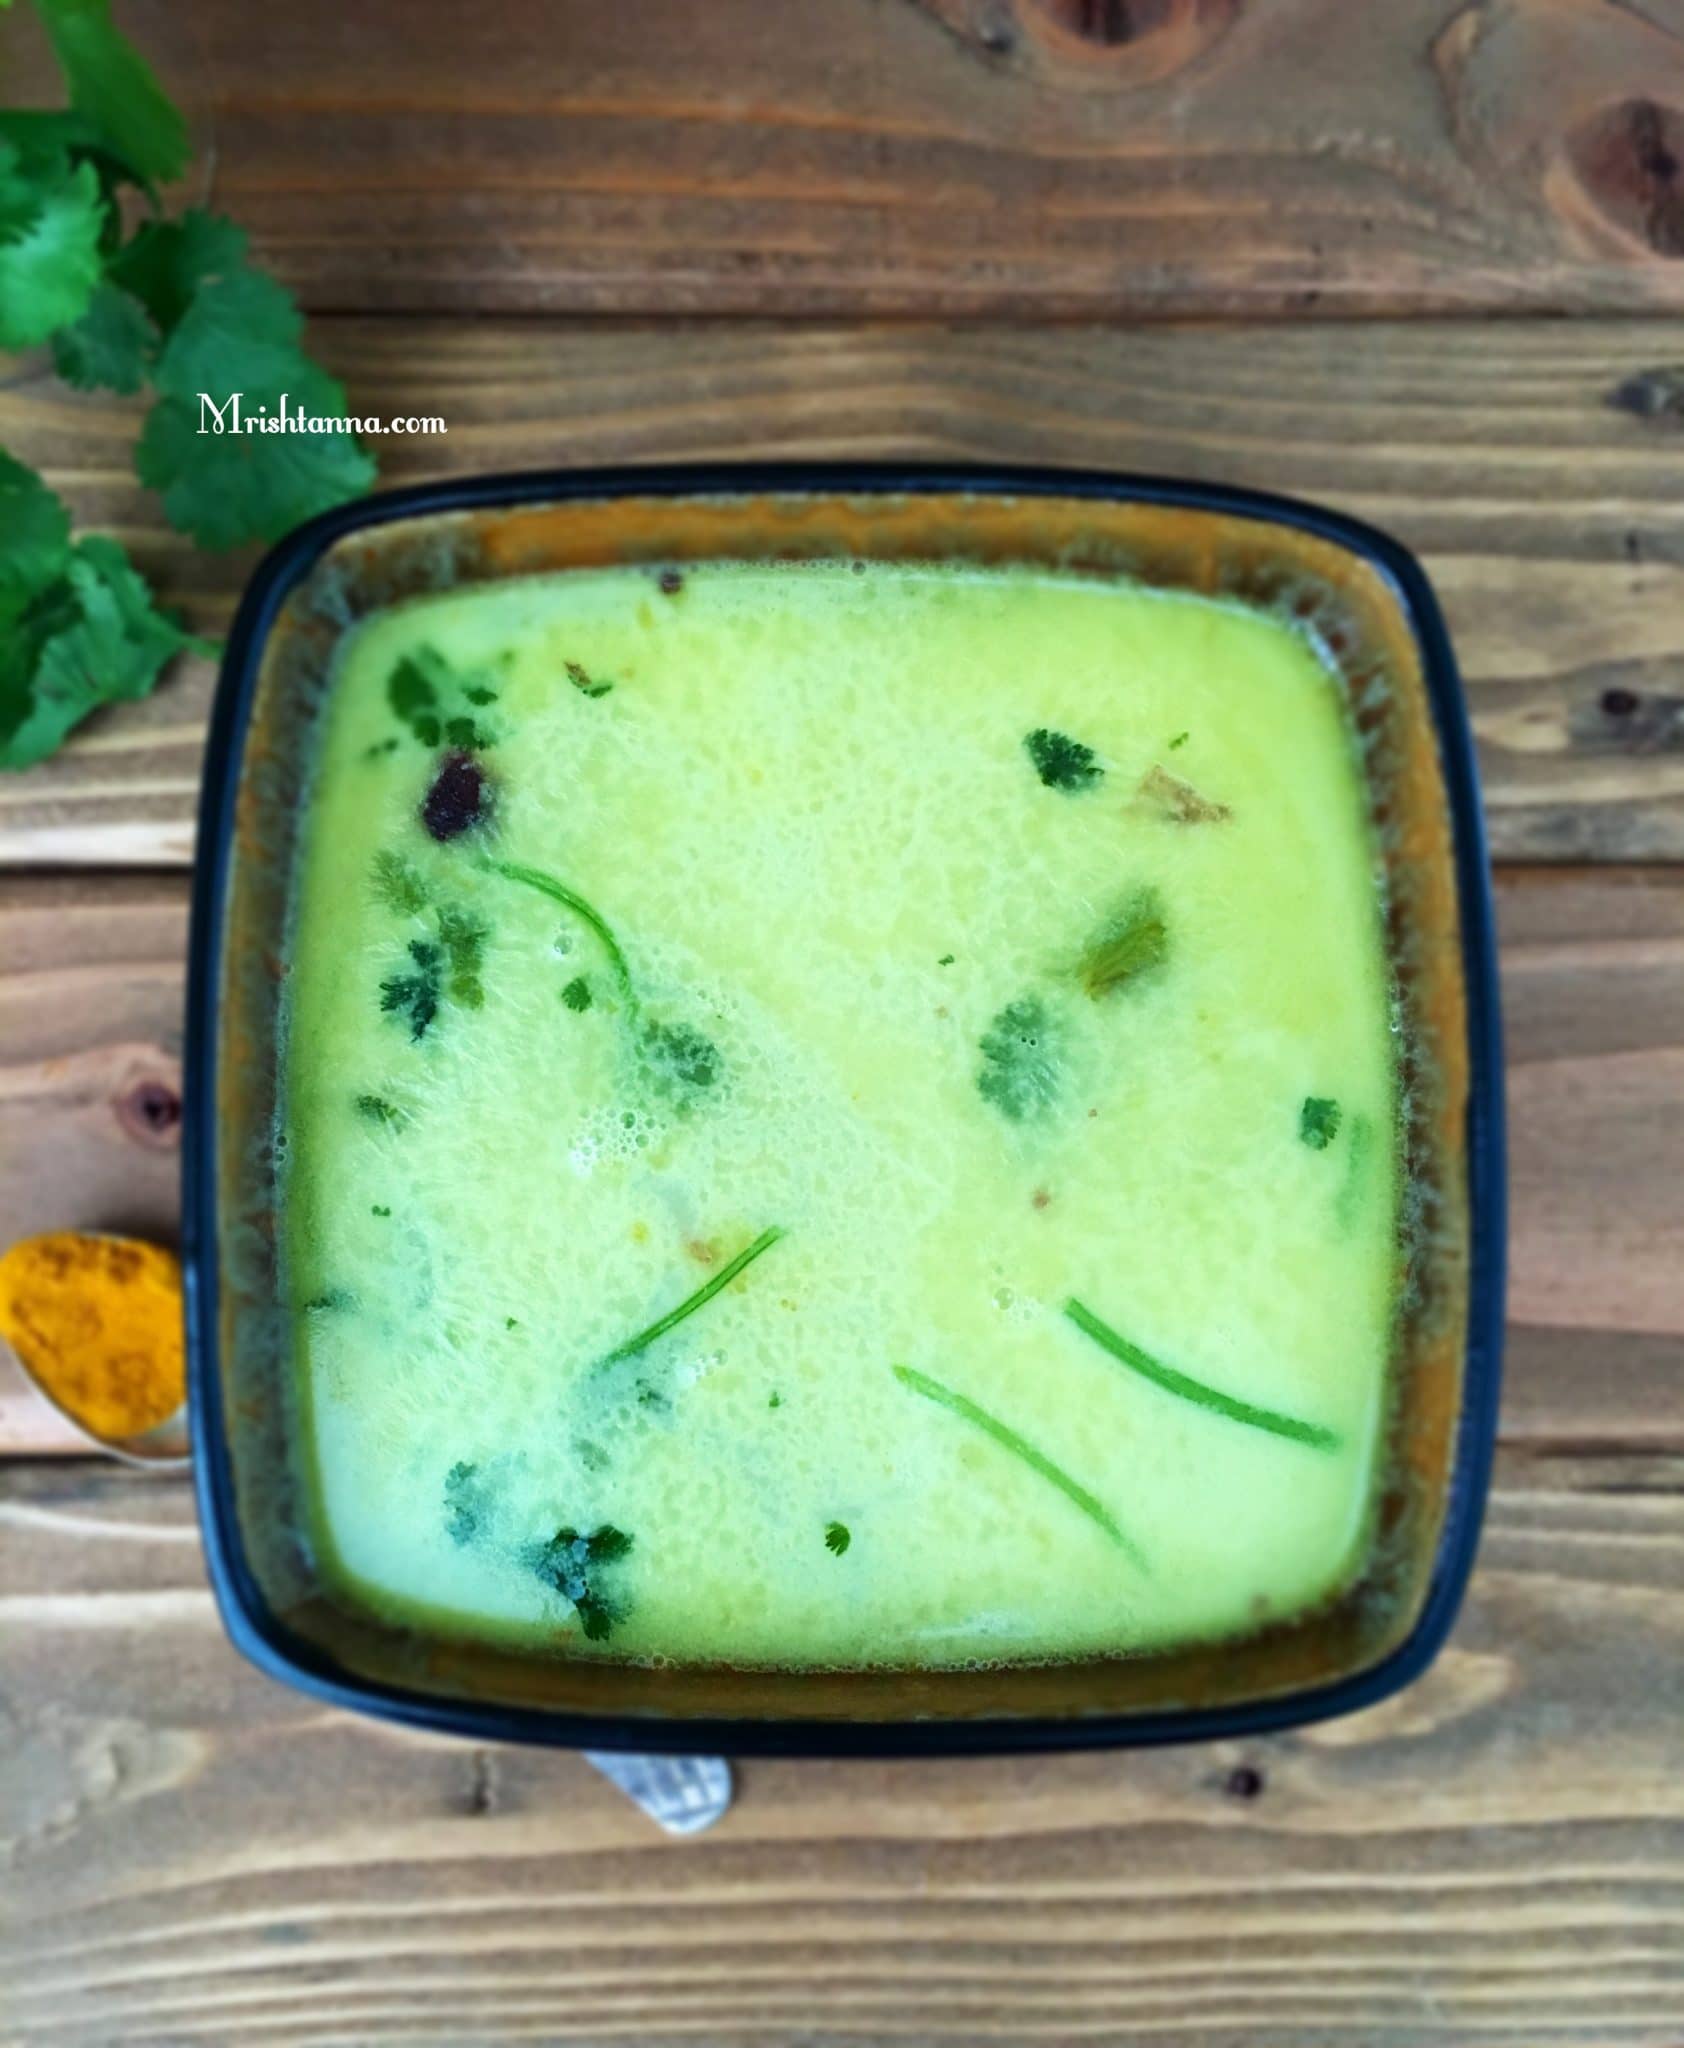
[(1317, 245)]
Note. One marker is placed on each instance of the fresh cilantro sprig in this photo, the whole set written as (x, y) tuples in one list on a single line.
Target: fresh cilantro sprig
[(78, 627), (174, 305)]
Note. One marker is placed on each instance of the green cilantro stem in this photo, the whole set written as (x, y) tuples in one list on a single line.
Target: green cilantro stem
[(702, 1296), (1008, 1439), (1189, 1389), (558, 892)]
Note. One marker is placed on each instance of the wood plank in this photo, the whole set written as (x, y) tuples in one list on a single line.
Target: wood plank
[(198, 1855), (1593, 975), (964, 157), (1535, 467)]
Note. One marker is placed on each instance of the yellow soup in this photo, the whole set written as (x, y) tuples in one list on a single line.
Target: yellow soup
[(838, 1115)]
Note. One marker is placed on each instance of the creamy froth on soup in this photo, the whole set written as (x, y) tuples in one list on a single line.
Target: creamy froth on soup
[(838, 1115)]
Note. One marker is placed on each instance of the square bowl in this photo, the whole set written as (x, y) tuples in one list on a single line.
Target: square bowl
[(1378, 628)]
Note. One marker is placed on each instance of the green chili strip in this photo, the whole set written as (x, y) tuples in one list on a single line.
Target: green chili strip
[(688, 1307), (1008, 1439), (558, 892), (1174, 1382)]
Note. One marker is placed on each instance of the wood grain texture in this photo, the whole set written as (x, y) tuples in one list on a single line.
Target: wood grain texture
[(1593, 984), (194, 1855), (1036, 158), (1535, 467)]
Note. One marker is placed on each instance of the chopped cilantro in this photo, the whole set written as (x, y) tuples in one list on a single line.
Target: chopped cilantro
[(1020, 1051), (423, 689), (414, 698), (679, 1057), (573, 1565), (379, 1209), (946, 960), (463, 938), (1180, 740), (1061, 762), (777, 1401), (584, 683), (397, 884), (577, 994), (415, 996), (467, 1503), (1131, 943), (836, 1538), (1190, 1389), (1318, 1122), (511, 1323)]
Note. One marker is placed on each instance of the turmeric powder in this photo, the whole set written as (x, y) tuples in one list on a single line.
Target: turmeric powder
[(97, 1322)]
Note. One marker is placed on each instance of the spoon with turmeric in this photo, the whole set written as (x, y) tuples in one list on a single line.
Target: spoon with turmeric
[(96, 1322)]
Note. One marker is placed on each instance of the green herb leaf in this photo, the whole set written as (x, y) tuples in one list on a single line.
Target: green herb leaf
[(836, 1538), (584, 683), (34, 531), (573, 1565), (52, 216), (467, 1503), (108, 347), (1180, 740), (680, 1059), (165, 263), (413, 696), (1021, 1051), (1061, 762), (88, 638), (416, 996), (1021, 1448), (397, 884), (115, 90), (463, 937), (1130, 944), (375, 1109), (577, 994), (239, 340), (1318, 1122), (689, 1305), (1196, 1391)]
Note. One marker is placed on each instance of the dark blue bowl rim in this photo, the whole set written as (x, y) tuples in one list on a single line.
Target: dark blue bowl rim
[(279, 1652)]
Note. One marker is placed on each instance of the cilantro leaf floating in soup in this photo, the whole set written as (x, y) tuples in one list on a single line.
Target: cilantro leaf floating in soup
[(807, 1144)]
